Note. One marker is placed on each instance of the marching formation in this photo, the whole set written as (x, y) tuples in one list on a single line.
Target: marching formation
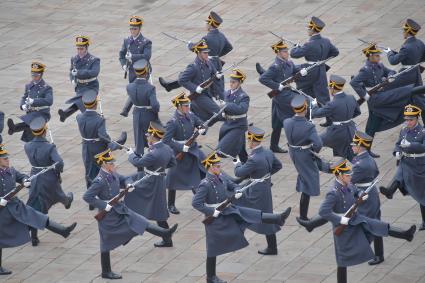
[(168, 159)]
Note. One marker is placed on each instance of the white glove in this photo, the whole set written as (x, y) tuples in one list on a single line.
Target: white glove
[(344, 220), (238, 195), (387, 50), (221, 103), (199, 89), (398, 155), (365, 197), (223, 115), (391, 79), (405, 143), (25, 107), (314, 102), (281, 87), (108, 207), (130, 187), (218, 75), (128, 56), (124, 67), (201, 131), (189, 44), (73, 83), (74, 72), (27, 183), (237, 161), (30, 100), (366, 97), (216, 213), (303, 72), (3, 202), (185, 148), (129, 151)]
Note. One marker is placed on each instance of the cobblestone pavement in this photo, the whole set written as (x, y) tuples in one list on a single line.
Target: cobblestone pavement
[(45, 30)]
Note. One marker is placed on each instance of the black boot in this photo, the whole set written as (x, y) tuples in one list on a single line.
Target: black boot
[(14, 128), (274, 141), (166, 241), (388, 192), (34, 238), (304, 203), (211, 275), (276, 218), (63, 114), (341, 274), (422, 227), (327, 123), (60, 229), (402, 234), (378, 245), (70, 196), (105, 261), (260, 70), (161, 232), (127, 106), (122, 138), (3, 271), (169, 86), (313, 223), (271, 246), (171, 202)]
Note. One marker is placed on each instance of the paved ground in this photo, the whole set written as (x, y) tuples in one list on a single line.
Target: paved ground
[(45, 30)]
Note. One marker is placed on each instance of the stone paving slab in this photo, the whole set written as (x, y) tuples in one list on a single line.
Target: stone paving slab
[(45, 30)]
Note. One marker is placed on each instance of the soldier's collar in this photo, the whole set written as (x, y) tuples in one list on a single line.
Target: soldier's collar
[(85, 56), (234, 91), (134, 38)]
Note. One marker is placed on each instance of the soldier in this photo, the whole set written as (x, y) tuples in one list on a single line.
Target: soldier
[(317, 48), (15, 216), (146, 107), (352, 246), (302, 139), (226, 232), (410, 151), (260, 162), (340, 110), (188, 172), (121, 223), (386, 105), (231, 139), (36, 101), (219, 46), (149, 199), (83, 75), (281, 69), (46, 189), (134, 48), (194, 75), (411, 53), (95, 138)]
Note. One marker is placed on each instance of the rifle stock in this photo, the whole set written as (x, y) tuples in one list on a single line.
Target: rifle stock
[(13, 193), (101, 214), (287, 81), (340, 228), (210, 219)]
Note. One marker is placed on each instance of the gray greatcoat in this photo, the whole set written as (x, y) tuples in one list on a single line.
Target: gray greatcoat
[(88, 69), (260, 162), (226, 233), (148, 198), (140, 48)]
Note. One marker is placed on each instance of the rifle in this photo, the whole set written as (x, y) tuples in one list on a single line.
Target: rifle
[(74, 79), (284, 39), (127, 63), (295, 77), (384, 83), (101, 214), (370, 43), (223, 205), (51, 137), (350, 212), (16, 190), (191, 140)]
